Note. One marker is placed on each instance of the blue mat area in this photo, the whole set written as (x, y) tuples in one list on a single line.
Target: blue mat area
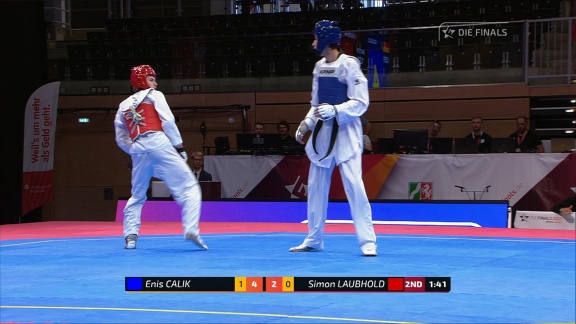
[(81, 280)]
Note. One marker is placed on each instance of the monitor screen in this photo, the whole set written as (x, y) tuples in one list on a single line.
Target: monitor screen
[(411, 140), (503, 145), (258, 142), (465, 145), (441, 145), (222, 145), (386, 145)]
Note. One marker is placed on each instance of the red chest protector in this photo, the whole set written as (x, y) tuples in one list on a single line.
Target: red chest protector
[(141, 120)]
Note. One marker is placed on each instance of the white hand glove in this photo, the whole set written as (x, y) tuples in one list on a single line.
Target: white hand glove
[(327, 112), (182, 153), (304, 127)]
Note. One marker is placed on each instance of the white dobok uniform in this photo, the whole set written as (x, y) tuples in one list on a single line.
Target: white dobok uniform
[(146, 129), (342, 84)]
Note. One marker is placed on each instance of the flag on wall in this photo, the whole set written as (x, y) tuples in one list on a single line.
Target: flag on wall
[(38, 159), (420, 190), (378, 55)]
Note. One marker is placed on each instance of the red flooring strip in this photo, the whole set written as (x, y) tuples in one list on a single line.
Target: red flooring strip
[(65, 229)]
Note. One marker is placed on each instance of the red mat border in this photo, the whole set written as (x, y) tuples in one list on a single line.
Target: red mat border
[(69, 229)]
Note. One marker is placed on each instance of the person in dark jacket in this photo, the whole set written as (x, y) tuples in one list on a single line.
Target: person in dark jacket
[(198, 167)]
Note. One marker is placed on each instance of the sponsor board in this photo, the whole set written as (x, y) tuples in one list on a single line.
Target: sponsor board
[(544, 220)]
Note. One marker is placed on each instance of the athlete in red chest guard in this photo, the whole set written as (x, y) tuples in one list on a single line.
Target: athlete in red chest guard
[(146, 129)]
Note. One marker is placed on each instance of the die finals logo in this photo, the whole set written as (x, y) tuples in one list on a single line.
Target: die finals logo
[(453, 30), (420, 190)]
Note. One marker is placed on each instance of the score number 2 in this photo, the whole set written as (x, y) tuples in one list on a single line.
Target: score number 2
[(279, 284)]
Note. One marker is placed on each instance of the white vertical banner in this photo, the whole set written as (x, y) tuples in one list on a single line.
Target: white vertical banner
[(38, 153)]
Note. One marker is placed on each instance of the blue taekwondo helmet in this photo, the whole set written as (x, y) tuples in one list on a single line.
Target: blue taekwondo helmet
[(328, 33)]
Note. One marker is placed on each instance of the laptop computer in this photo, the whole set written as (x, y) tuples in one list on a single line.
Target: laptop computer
[(411, 141), (386, 145), (259, 143), (503, 145), (562, 145), (292, 148), (441, 145), (222, 145), (465, 145)]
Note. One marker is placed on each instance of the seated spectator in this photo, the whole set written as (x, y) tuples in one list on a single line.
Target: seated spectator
[(366, 127), (198, 167), (527, 140), (305, 5), (284, 131), (433, 132), (435, 128), (257, 6), (259, 128), (483, 140), (246, 6)]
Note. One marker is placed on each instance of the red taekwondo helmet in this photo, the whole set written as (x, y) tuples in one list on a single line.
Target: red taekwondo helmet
[(328, 33), (139, 74)]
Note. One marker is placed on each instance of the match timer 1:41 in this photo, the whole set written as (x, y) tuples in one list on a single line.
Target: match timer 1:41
[(440, 284)]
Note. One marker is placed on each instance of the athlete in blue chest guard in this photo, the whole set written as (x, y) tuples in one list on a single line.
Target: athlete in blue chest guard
[(339, 98)]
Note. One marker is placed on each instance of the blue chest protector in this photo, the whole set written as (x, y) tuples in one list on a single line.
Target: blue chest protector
[(334, 92), (331, 90)]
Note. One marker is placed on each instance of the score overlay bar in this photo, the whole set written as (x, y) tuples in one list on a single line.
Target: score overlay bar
[(288, 284)]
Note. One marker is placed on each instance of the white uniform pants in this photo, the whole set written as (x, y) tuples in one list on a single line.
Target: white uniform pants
[(318, 189), (168, 165)]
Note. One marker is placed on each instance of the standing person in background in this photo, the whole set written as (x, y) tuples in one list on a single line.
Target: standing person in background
[(259, 128), (339, 98), (198, 167), (483, 140), (146, 129), (527, 140)]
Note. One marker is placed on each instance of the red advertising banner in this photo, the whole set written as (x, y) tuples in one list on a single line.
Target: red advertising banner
[(38, 159)]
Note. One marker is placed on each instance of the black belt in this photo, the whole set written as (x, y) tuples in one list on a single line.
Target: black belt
[(332, 137)]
